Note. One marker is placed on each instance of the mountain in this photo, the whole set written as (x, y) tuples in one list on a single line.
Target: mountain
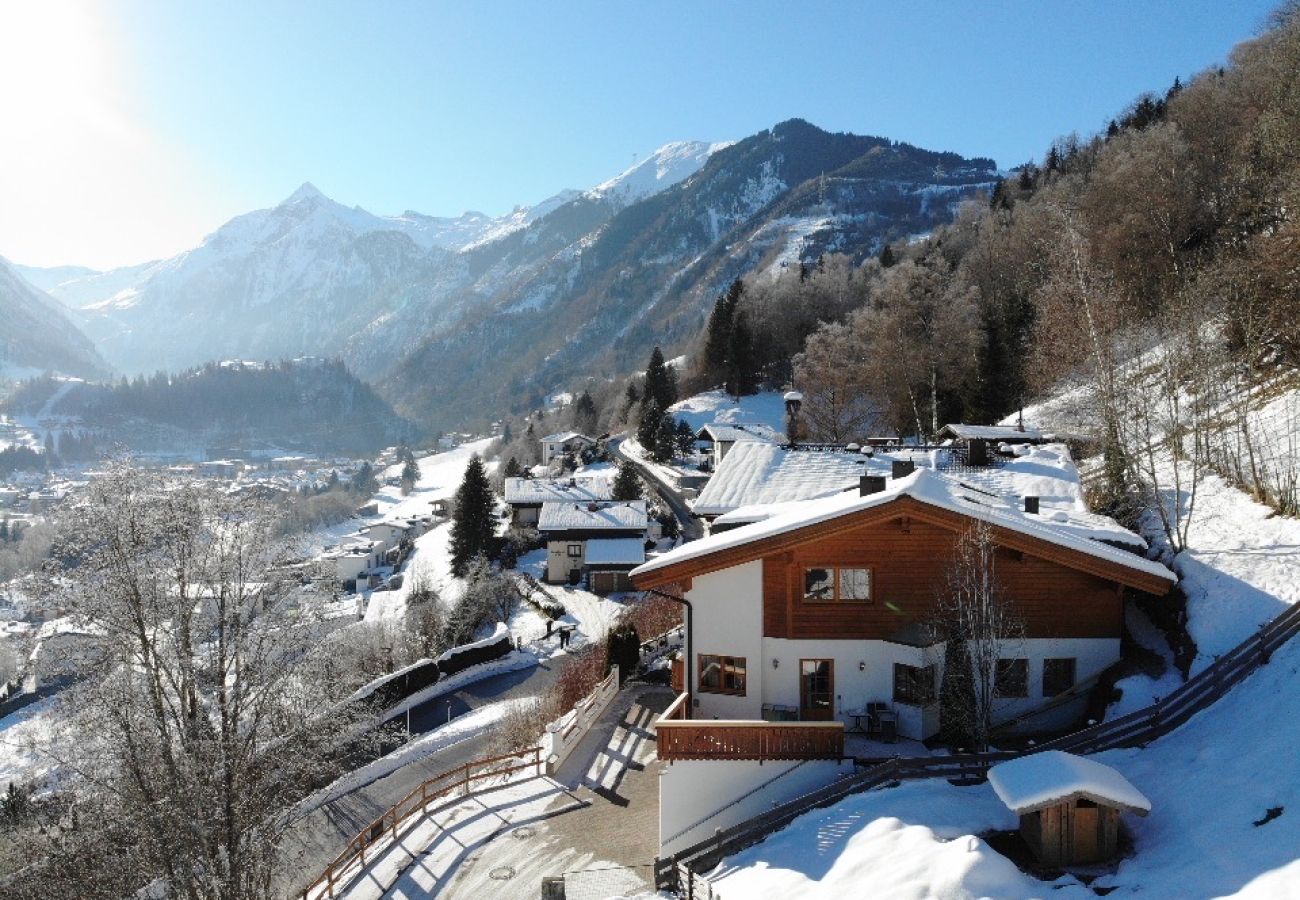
[(665, 167), (37, 336), (49, 277), (648, 273)]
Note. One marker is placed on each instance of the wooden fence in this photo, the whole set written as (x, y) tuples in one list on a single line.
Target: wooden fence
[(682, 868), (456, 781)]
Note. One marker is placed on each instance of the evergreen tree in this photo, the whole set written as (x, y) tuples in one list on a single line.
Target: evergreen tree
[(364, 482), (410, 474), (627, 483), (512, 469), (623, 649), (506, 434), (333, 482), (887, 256), (647, 430), (740, 359), (660, 381), (631, 397), (717, 341), (665, 439), (956, 696), (585, 416), (685, 437), (473, 530)]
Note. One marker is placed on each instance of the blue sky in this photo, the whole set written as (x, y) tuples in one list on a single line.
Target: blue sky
[(188, 113)]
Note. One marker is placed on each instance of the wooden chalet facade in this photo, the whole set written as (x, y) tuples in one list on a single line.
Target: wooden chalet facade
[(815, 614)]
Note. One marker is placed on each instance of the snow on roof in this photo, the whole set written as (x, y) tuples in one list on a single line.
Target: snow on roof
[(965, 432), (543, 490), (1032, 782), (615, 551), (563, 437), (733, 432), (755, 473), (587, 516), (933, 489)]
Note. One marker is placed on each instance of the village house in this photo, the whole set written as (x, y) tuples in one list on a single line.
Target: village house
[(822, 616), (568, 527), (717, 438), (354, 558), (525, 496), (824, 608), (557, 445)]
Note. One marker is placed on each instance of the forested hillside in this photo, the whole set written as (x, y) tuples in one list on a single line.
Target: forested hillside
[(308, 404)]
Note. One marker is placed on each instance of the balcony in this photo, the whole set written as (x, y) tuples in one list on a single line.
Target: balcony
[(681, 738)]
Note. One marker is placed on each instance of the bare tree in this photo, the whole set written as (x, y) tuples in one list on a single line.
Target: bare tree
[(975, 616), (204, 716)]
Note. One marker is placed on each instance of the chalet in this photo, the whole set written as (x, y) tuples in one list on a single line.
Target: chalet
[(822, 609), (554, 445), (525, 496), (720, 437), (354, 558), (568, 527), (977, 441), (1069, 806)]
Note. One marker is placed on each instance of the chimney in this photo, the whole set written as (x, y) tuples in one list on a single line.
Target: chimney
[(1031, 505), (902, 468), (870, 484)]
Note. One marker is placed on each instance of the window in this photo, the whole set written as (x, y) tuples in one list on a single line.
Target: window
[(913, 685), (1011, 678), (575, 550), (722, 674), (1058, 676), (827, 584)]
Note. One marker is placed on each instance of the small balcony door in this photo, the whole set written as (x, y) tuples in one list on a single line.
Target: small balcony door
[(817, 690)]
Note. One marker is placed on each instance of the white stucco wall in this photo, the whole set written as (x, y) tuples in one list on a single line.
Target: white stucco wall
[(559, 562), (691, 791), (728, 621), (1091, 655)]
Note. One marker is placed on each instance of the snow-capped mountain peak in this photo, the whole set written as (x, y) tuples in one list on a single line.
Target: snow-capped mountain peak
[(662, 169), (306, 191)]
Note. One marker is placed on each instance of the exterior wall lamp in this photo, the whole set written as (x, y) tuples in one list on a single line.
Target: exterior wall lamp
[(862, 666), (776, 663)]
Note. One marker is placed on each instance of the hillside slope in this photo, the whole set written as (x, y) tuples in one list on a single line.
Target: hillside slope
[(37, 336)]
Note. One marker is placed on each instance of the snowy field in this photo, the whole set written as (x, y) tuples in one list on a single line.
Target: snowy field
[(766, 408)]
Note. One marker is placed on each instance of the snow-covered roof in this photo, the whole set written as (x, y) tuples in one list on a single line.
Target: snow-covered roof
[(965, 432), (563, 437), (1032, 782), (615, 551), (543, 490), (756, 473), (591, 516), (933, 489), (729, 432)]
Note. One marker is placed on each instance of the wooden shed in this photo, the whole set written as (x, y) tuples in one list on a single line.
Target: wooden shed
[(1069, 806)]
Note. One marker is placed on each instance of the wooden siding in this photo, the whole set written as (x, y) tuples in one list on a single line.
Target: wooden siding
[(909, 560)]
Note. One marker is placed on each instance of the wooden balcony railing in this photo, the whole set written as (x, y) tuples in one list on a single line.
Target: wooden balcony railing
[(715, 739)]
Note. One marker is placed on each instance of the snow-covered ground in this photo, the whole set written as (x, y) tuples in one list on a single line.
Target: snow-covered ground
[(767, 408)]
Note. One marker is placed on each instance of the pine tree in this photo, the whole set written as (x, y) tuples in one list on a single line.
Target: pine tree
[(512, 469), (660, 382), (631, 397), (887, 257), (740, 359), (410, 475), (685, 437), (365, 482), (473, 530), (665, 439), (627, 483), (647, 430), (717, 339), (585, 415)]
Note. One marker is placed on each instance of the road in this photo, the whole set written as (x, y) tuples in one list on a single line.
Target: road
[(691, 528), (320, 836)]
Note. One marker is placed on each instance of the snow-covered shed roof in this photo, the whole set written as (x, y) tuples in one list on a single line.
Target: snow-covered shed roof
[(563, 437), (930, 489), (1030, 783), (592, 516), (964, 432), (526, 491), (615, 551), (736, 432)]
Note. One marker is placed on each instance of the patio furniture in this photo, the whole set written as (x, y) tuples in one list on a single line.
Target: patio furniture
[(874, 710), (858, 715), (888, 725)]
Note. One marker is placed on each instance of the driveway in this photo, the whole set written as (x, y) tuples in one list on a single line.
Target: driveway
[(691, 528), (321, 836)]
